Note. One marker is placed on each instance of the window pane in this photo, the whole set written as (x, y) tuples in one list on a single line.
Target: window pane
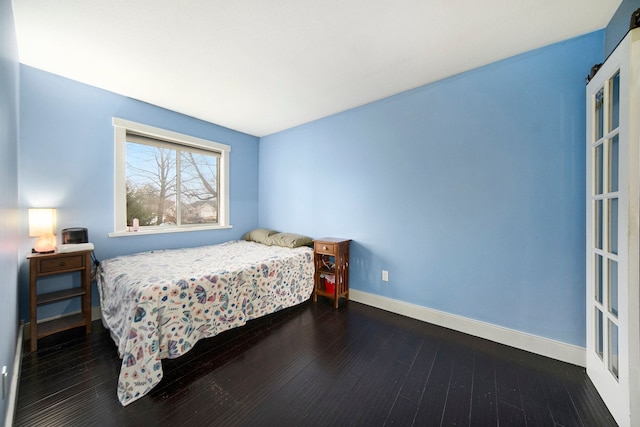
[(151, 184), (613, 164), (599, 116), (598, 173), (614, 89), (613, 287), (598, 224), (613, 226), (599, 331), (613, 349), (598, 276), (198, 188)]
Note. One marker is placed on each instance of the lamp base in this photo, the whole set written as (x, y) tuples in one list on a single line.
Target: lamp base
[(45, 244)]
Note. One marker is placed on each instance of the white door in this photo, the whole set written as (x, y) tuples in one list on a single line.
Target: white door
[(613, 322)]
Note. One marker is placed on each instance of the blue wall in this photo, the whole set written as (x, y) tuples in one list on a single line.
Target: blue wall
[(66, 162), (469, 191), (9, 85)]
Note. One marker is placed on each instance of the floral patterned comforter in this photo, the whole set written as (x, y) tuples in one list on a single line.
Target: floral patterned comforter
[(158, 304)]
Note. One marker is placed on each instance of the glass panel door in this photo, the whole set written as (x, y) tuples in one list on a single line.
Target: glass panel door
[(604, 197), (613, 243), (603, 231)]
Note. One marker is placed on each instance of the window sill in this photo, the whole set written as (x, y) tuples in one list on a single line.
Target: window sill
[(166, 230)]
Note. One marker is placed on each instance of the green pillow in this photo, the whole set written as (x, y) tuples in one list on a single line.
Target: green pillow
[(288, 240), (258, 235)]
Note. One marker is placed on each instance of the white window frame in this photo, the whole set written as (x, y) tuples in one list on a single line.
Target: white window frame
[(121, 127)]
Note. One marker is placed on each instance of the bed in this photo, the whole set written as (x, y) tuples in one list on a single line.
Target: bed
[(158, 304)]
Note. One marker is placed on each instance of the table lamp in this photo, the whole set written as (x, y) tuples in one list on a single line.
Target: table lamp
[(42, 224)]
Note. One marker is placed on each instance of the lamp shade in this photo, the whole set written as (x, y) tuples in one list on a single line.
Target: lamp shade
[(42, 222)]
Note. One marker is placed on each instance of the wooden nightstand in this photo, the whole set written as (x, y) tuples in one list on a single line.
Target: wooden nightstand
[(331, 258), (50, 264)]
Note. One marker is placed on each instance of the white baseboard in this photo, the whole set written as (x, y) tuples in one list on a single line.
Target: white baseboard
[(511, 337), (15, 380)]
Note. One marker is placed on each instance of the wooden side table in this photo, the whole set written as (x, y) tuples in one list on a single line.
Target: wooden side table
[(331, 258), (41, 265)]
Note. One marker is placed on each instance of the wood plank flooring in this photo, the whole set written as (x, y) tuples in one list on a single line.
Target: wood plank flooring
[(313, 366)]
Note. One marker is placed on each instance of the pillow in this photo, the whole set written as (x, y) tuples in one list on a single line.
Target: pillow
[(288, 240), (258, 235)]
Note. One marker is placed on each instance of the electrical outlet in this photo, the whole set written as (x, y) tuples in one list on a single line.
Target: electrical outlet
[(385, 276)]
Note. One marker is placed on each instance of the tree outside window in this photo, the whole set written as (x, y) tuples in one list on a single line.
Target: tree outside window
[(155, 170)]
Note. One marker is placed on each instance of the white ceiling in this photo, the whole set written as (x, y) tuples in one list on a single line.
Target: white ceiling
[(262, 66)]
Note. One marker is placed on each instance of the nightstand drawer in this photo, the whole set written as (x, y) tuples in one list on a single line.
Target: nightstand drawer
[(59, 264), (325, 248)]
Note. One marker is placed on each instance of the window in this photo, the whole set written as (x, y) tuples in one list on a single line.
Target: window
[(168, 181)]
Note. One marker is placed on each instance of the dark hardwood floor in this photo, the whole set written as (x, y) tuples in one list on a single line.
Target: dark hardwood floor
[(311, 365)]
